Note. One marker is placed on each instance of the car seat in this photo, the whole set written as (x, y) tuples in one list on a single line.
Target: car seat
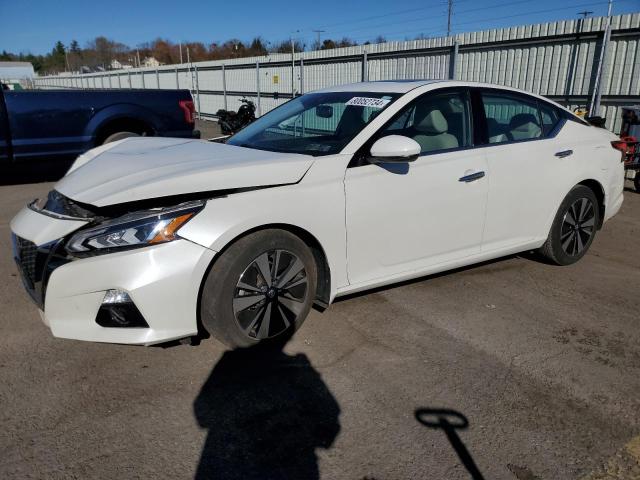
[(523, 126), (432, 131)]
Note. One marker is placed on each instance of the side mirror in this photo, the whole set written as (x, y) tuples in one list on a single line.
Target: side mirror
[(394, 149)]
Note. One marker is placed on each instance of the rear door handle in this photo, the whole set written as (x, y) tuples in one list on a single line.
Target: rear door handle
[(472, 177), (564, 153)]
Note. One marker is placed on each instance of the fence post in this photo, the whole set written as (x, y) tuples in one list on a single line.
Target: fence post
[(453, 60), (119, 80), (197, 90), (142, 77), (224, 87), (158, 78), (597, 87), (365, 67), (177, 79), (258, 87), (301, 76)]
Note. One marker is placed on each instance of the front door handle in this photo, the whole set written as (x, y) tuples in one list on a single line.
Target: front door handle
[(564, 153), (472, 177)]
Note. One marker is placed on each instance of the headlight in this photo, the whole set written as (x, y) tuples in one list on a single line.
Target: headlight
[(136, 229)]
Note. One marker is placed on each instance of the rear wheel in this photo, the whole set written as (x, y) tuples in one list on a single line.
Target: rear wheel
[(574, 227), (260, 289)]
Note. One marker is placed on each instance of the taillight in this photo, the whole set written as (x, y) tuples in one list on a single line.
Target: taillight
[(622, 147), (189, 110)]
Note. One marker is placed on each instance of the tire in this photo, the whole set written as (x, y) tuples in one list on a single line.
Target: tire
[(119, 136), (569, 240), (240, 308), (636, 181)]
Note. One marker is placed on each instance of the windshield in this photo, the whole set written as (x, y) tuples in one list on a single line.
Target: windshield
[(315, 123)]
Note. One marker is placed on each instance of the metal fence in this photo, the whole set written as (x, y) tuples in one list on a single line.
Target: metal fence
[(559, 60)]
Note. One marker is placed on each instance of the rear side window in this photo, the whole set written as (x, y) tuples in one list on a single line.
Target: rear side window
[(511, 118), (550, 118)]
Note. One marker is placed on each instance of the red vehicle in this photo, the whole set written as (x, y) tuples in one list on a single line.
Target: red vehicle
[(629, 134)]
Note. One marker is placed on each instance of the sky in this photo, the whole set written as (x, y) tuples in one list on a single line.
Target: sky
[(33, 26)]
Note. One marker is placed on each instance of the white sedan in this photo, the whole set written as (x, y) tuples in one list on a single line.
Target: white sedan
[(147, 240)]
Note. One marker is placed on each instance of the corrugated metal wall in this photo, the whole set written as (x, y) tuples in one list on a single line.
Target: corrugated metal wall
[(557, 59)]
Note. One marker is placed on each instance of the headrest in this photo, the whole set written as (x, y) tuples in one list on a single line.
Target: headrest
[(521, 120), (492, 124), (432, 123)]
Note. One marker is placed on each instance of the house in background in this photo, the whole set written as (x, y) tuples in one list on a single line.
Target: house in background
[(150, 62), (16, 72), (118, 65)]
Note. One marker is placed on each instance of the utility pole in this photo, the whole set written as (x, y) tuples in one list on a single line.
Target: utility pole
[(293, 65), (318, 32), (585, 13), (180, 52), (597, 89), (449, 15)]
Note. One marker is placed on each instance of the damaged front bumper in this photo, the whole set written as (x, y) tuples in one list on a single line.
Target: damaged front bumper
[(161, 280)]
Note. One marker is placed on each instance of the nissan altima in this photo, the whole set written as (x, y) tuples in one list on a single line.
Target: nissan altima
[(147, 240)]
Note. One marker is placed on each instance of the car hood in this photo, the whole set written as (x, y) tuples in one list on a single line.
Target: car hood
[(145, 168)]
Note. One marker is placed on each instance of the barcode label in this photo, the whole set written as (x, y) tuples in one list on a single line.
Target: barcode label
[(368, 102)]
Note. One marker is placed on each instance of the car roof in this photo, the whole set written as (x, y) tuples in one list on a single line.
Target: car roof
[(404, 86), (382, 86)]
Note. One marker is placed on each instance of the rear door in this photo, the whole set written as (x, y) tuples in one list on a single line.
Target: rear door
[(526, 168)]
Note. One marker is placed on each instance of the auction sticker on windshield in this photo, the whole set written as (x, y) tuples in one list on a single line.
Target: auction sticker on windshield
[(368, 102)]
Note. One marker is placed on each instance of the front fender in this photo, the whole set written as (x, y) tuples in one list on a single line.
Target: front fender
[(317, 208)]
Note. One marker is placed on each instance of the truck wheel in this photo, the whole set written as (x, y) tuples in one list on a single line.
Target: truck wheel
[(636, 181), (260, 289), (119, 136)]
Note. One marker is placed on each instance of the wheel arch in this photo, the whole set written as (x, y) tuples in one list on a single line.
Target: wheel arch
[(323, 288), (122, 124), (598, 190)]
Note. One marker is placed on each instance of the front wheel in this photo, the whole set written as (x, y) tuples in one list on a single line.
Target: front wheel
[(260, 289), (573, 228)]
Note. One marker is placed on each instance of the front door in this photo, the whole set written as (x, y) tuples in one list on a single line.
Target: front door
[(410, 217)]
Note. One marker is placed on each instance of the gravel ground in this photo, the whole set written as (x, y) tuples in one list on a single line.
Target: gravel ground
[(513, 369)]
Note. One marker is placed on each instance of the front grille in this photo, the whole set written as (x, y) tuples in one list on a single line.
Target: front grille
[(36, 263), (26, 257)]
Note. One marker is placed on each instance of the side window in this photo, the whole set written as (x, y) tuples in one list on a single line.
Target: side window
[(436, 121), (510, 118), (550, 118)]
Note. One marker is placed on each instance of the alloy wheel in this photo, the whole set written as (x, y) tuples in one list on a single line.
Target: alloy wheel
[(578, 226), (270, 294)]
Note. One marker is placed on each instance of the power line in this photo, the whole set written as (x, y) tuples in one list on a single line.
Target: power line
[(405, 32)]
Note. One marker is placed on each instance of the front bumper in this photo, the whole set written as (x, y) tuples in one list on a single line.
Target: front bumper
[(162, 280)]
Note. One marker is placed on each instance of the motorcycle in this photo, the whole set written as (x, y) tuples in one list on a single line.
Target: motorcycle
[(230, 122)]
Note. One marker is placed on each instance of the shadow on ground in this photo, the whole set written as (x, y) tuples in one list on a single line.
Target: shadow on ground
[(266, 413), (450, 421)]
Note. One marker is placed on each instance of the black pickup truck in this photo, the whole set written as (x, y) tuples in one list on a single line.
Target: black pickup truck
[(61, 124)]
